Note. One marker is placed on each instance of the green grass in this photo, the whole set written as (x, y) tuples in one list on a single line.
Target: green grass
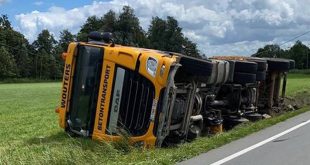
[(29, 132), (297, 83)]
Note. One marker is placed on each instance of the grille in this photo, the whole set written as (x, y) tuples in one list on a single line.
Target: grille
[(136, 104)]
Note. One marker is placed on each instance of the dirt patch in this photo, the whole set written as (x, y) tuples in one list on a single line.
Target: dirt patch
[(301, 99)]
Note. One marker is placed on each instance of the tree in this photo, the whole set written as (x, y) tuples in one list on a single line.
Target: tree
[(92, 23), (16, 45), (174, 35), (64, 39), (156, 34), (23, 61), (7, 65), (299, 52), (190, 48), (45, 41), (167, 35), (126, 27), (109, 22), (272, 50), (45, 63), (4, 22), (129, 32)]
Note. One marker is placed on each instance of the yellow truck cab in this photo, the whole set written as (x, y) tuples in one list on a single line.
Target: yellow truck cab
[(110, 89)]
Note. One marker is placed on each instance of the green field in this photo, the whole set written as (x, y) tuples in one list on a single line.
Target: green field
[(29, 132), (298, 83)]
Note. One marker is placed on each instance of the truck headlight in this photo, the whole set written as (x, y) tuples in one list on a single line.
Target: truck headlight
[(151, 66), (162, 70)]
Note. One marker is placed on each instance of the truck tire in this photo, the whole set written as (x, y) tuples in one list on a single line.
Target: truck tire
[(220, 72), (292, 64), (245, 67), (196, 66), (244, 78), (261, 64), (278, 64), (260, 75)]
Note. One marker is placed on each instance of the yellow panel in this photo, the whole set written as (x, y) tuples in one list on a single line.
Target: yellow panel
[(103, 99), (122, 56), (66, 86)]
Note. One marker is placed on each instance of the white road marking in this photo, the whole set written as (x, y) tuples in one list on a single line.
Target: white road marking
[(224, 160)]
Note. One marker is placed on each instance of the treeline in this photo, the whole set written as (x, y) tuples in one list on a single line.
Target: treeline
[(37, 60), (41, 59), (298, 52)]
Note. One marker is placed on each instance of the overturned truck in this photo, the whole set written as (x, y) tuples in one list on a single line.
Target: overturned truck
[(158, 98)]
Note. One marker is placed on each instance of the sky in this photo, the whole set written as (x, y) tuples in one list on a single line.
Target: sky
[(224, 27)]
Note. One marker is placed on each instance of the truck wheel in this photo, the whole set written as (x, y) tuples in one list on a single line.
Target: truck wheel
[(278, 64), (292, 64), (245, 67), (196, 66), (243, 78), (260, 76), (261, 64)]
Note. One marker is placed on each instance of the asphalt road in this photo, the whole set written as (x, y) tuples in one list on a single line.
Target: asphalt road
[(285, 143)]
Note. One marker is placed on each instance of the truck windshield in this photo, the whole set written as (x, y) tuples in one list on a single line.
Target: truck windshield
[(85, 88)]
